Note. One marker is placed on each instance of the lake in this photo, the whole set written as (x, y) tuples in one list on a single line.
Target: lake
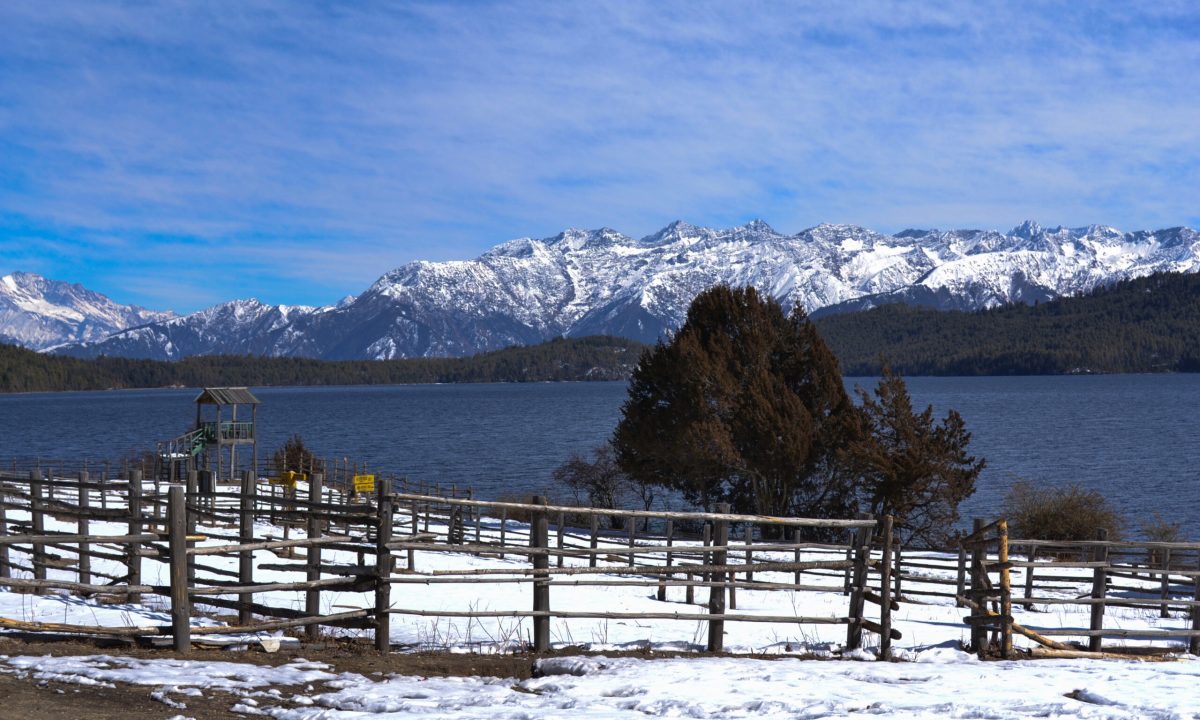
[(1133, 437)]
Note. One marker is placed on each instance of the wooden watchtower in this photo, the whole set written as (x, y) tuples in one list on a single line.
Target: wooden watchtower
[(222, 437)]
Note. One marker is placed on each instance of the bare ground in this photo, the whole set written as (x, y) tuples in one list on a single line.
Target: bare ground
[(28, 699)]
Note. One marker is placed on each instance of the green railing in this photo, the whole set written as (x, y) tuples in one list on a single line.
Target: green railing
[(228, 431)]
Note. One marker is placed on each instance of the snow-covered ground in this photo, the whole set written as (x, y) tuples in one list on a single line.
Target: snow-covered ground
[(932, 678), (934, 683)]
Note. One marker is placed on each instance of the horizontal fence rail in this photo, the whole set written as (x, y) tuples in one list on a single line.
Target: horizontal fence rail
[(368, 543), (1161, 578)]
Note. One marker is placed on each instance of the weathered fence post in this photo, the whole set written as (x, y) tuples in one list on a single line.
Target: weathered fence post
[(978, 575), (5, 570), (897, 571), (192, 495), (1164, 610), (706, 532), (561, 530), (1099, 588), (539, 532), (158, 508), (861, 553), (412, 553), (961, 586), (1006, 618), (632, 539), (312, 561), (38, 523), (82, 527), (134, 549), (1031, 557), (885, 590), (749, 538), (476, 515), (1194, 641), (246, 536), (503, 529), (716, 593), (731, 581), (797, 538), (662, 585), (595, 542), (181, 611), (851, 535), (383, 573)]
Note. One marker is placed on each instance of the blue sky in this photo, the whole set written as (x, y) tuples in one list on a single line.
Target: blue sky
[(180, 154)]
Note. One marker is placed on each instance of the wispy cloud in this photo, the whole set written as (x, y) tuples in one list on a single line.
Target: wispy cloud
[(297, 150)]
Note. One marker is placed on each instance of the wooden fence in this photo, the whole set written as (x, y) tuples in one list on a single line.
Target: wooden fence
[(1158, 577), (182, 528)]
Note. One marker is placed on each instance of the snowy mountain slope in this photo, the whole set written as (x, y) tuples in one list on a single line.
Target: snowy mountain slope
[(39, 313), (584, 282), (239, 327)]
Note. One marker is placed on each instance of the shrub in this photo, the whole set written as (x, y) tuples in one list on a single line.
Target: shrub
[(296, 456), (598, 482), (1069, 512)]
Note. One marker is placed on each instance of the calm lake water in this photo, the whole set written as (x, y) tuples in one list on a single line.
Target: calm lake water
[(1133, 437)]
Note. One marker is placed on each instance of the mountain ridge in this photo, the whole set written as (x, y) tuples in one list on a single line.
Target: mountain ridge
[(589, 282), (39, 313)]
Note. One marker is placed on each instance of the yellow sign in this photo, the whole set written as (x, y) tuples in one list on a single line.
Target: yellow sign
[(364, 483), (287, 477)]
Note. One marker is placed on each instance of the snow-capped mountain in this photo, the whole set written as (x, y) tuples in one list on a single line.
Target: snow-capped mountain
[(584, 282), (238, 327), (40, 313)]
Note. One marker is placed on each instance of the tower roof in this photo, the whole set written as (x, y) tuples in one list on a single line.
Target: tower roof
[(226, 396)]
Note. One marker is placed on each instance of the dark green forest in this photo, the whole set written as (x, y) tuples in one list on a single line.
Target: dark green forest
[(589, 358), (1150, 324)]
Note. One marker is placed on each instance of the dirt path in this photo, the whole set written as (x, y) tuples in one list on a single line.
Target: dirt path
[(28, 699)]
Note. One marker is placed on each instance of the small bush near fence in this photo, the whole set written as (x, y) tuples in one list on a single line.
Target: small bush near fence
[(1070, 512)]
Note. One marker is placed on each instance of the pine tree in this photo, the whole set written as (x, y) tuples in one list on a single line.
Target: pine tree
[(743, 405), (907, 466)]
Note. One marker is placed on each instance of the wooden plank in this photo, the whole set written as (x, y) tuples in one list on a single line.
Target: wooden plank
[(82, 528), (312, 561), (1019, 629), (181, 610), (268, 545), (978, 582), (278, 624), (659, 515), (246, 536), (383, 571), (1194, 645), (538, 539), (862, 549), (1099, 589), (979, 533), (885, 592), (716, 595), (567, 615), (1005, 589), (989, 619), (892, 633), (38, 520)]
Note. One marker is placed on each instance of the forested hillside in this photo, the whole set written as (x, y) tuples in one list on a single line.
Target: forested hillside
[(589, 358), (1149, 324)]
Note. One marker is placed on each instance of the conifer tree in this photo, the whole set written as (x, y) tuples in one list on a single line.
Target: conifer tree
[(907, 466), (743, 405)]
